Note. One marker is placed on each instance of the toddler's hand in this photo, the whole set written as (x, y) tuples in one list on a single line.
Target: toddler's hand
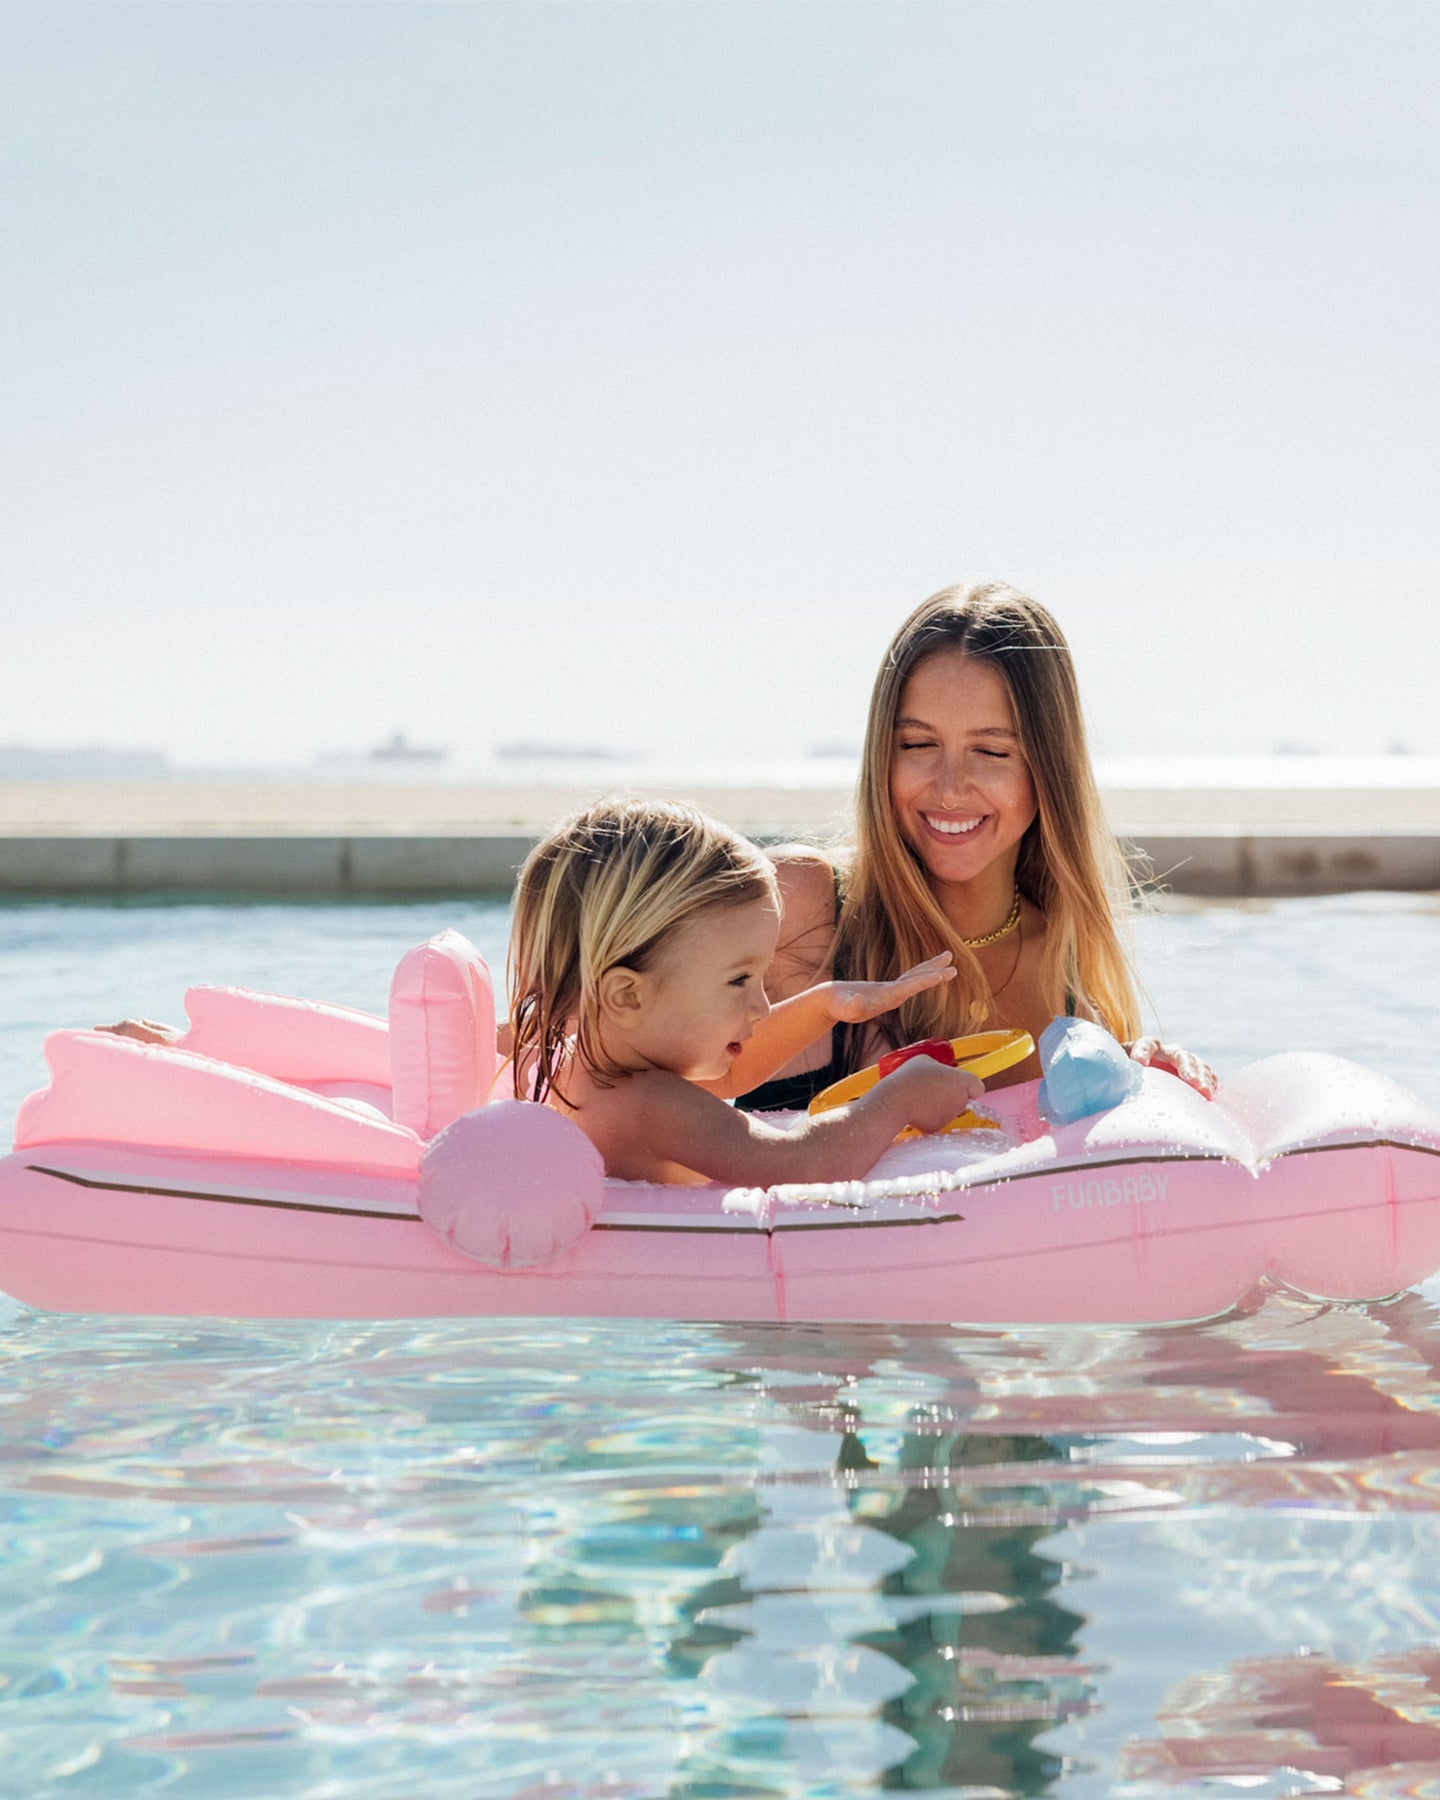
[(1184, 1063), (930, 1094), (855, 1002)]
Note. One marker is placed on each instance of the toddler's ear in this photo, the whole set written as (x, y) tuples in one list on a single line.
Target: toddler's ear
[(622, 996)]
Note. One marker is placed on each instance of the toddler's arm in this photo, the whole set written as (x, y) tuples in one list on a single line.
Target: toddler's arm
[(794, 1023), (665, 1118)]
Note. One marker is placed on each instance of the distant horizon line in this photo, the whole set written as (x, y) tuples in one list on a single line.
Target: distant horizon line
[(1284, 765)]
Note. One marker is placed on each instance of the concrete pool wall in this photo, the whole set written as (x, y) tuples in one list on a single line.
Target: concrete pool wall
[(1211, 861)]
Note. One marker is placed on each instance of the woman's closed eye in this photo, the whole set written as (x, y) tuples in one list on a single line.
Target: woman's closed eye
[(914, 744)]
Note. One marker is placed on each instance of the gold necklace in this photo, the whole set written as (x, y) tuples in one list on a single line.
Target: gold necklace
[(1012, 919), (995, 993)]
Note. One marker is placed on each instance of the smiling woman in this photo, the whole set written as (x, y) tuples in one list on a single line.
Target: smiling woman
[(979, 831)]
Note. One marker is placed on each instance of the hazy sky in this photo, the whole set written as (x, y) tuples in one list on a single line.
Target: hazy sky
[(626, 372)]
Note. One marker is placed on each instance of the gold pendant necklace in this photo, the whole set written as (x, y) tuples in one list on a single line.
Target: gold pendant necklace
[(1012, 919), (995, 993)]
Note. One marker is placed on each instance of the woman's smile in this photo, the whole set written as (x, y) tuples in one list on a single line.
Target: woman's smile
[(947, 827)]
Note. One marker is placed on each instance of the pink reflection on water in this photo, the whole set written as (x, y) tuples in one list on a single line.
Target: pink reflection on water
[(1356, 1729)]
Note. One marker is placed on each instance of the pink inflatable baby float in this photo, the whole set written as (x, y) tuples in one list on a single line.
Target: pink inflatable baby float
[(289, 1159)]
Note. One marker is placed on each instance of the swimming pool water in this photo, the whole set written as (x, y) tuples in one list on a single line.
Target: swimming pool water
[(484, 1558)]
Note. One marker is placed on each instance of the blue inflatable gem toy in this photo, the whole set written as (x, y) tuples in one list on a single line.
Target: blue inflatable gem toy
[(1086, 1071)]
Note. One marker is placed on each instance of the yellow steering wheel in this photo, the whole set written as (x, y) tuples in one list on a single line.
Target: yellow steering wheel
[(984, 1053)]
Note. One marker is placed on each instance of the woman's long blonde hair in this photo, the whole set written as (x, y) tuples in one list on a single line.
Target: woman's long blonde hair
[(1069, 865), (600, 893)]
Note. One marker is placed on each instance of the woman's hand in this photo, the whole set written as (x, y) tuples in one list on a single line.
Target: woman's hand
[(856, 1002), (1184, 1063), (148, 1031)]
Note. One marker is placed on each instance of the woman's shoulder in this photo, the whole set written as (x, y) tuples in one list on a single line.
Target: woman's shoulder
[(809, 880), (809, 903)]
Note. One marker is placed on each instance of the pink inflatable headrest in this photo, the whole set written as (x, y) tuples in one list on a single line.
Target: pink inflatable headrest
[(442, 1033)]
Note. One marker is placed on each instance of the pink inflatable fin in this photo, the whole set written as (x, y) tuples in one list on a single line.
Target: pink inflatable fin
[(293, 1040), (113, 1090)]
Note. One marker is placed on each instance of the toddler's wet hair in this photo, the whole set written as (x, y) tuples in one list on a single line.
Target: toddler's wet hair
[(600, 893)]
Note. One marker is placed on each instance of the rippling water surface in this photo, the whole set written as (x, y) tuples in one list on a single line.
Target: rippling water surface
[(476, 1558)]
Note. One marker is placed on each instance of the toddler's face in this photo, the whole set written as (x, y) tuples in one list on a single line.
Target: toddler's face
[(704, 992)]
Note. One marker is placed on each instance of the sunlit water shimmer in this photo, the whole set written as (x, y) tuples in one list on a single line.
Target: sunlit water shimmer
[(627, 1560)]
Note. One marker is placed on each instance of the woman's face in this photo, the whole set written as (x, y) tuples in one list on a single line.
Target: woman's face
[(962, 792)]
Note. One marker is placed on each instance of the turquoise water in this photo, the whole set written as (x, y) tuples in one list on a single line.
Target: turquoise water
[(628, 1560)]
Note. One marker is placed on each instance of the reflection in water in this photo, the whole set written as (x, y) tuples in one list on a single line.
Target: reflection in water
[(479, 1558), (1298, 1724), (992, 1675)]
